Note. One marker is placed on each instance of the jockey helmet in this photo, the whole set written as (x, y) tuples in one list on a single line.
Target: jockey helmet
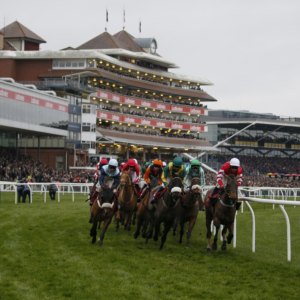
[(234, 162), (122, 164), (177, 162), (195, 162), (157, 163), (103, 161), (147, 164), (131, 162), (113, 162), (164, 164)]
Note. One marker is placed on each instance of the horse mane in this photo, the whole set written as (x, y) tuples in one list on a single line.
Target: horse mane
[(107, 195), (174, 181)]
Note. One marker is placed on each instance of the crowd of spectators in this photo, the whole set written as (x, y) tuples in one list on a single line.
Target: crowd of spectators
[(266, 139), (151, 79), (152, 132), (152, 98), (31, 170), (152, 115)]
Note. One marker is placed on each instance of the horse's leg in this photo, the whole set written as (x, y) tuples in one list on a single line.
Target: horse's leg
[(127, 225), (99, 225), (217, 225), (105, 225), (139, 224), (208, 230), (175, 227), (230, 235), (117, 221), (156, 228), (93, 232), (224, 245), (189, 233), (134, 217), (144, 230), (167, 227), (181, 232)]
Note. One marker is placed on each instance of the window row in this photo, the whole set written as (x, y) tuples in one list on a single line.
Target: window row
[(74, 118), (77, 64), (88, 127)]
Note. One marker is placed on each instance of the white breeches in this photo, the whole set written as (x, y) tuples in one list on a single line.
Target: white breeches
[(108, 181)]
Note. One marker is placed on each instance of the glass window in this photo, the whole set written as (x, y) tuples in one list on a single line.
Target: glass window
[(74, 64), (81, 64), (55, 64), (75, 118), (78, 119), (86, 109), (86, 127), (68, 64), (61, 64), (93, 145), (71, 118)]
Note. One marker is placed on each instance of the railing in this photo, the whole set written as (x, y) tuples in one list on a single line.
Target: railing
[(78, 188)]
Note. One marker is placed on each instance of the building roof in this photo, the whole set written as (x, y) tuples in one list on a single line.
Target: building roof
[(103, 41), (128, 40), (18, 30), (105, 55)]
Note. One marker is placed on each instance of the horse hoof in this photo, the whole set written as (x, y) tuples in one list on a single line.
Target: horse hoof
[(155, 238), (144, 235), (94, 240), (129, 228), (208, 251), (223, 247), (187, 247), (146, 242), (214, 246), (116, 229), (135, 235), (100, 243), (180, 242)]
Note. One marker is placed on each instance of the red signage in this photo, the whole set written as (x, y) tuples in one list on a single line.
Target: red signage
[(151, 104), (146, 122), (32, 100)]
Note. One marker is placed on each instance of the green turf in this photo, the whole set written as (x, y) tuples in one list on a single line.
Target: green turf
[(46, 253)]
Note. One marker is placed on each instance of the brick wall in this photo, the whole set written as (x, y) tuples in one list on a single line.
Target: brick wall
[(8, 68), (48, 156), (29, 69)]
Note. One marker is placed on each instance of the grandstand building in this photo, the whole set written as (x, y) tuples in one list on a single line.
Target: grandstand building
[(255, 134), (131, 103)]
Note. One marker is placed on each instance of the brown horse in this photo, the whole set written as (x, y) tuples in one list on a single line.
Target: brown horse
[(102, 210), (222, 213), (145, 215), (188, 211), (127, 199), (166, 210)]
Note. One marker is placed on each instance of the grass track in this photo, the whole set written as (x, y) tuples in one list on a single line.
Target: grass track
[(46, 253)]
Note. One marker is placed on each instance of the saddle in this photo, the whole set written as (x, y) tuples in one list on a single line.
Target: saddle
[(159, 193)]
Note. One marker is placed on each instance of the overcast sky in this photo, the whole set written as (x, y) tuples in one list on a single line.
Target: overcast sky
[(249, 49)]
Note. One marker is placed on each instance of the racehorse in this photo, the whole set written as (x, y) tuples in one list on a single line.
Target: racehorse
[(188, 210), (145, 215), (166, 209), (223, 213), (102, 210), (127, 199)]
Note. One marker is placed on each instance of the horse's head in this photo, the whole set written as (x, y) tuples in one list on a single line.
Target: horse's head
[(175, 188), (231, 188), (107, 200), (125, 180), (153, 182), (196, 185)]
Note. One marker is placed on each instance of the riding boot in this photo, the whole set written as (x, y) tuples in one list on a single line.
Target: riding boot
[(118, 215), (215, 192), (238, 205)]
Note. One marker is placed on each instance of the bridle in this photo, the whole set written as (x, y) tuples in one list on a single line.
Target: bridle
[(232, 201), (106, 204)]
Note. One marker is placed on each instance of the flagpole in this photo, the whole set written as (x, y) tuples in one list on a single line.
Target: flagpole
[(123, 18)]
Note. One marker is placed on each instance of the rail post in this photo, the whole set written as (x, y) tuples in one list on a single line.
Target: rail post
[(253, 226), (288, 228)]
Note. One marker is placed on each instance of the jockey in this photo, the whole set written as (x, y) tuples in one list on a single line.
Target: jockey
[(193, 170), (100, 164), (121, 167), (154, 170), (145, 167), (109, 175), (230, 167), (134, 172), (175, 167)]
